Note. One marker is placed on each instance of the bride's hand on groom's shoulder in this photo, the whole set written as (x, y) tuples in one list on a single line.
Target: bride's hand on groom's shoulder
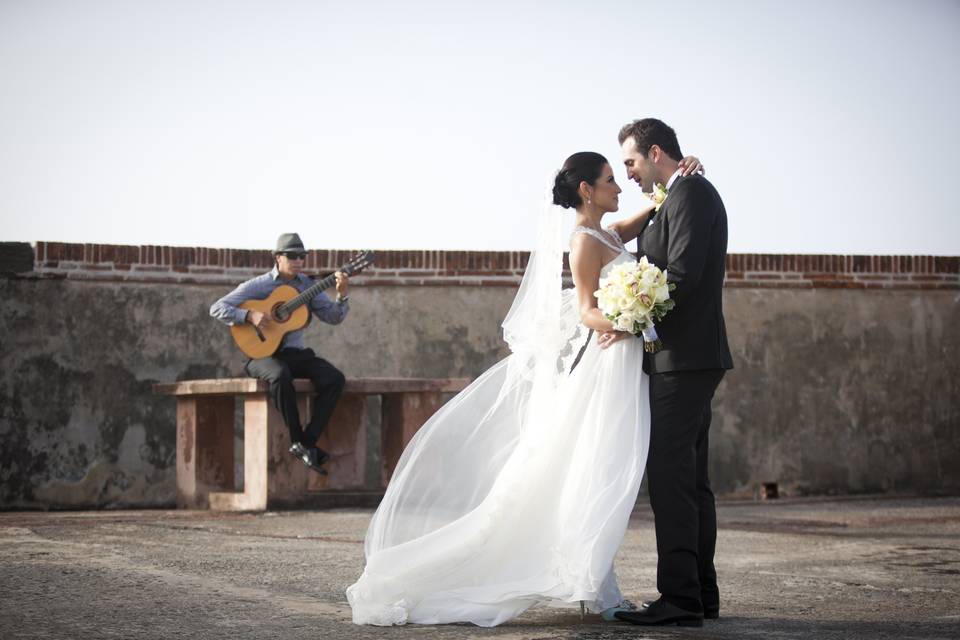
[(691, 165), (607, 338)]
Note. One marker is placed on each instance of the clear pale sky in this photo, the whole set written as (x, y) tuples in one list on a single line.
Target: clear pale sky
[(828, 127)]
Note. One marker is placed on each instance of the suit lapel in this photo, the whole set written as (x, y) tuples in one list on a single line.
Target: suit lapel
[(656, 220), (666, 202), (658, 216)]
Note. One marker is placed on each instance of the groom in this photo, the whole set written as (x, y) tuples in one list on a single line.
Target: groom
[(688, 238)]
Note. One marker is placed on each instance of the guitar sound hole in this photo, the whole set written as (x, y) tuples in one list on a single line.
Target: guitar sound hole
[(279, 314)]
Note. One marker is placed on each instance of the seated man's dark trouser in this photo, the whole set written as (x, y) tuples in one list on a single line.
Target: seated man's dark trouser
[(280, 369)]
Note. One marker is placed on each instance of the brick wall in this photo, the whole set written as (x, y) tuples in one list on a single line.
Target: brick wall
[(208, 265)]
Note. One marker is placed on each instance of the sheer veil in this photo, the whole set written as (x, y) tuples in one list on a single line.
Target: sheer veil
[(453, 460), (543, 322)]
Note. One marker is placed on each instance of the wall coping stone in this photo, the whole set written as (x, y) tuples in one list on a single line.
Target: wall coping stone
[(226, 266)]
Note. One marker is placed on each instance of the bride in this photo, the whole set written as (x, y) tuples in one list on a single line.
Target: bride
[(519, 490)]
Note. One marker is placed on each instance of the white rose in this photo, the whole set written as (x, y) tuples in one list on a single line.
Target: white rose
[(623, 323)]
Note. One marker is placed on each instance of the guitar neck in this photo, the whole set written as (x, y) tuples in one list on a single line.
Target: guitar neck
[(357, 264), (308, 294)]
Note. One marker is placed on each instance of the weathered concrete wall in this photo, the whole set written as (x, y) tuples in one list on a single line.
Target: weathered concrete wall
[(835, 390), (79, 424), (839, 390)]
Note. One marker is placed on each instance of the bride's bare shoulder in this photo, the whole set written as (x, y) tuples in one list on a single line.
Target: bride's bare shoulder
[(584, 244), (586, 253)]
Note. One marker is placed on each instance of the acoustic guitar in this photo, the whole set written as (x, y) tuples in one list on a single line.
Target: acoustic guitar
[(287, 309)]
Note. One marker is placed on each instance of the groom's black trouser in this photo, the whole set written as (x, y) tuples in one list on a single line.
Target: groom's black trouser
[(685, 516), (280, 369)]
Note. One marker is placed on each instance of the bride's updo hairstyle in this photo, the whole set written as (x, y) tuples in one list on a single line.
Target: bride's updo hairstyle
[(585, 166)]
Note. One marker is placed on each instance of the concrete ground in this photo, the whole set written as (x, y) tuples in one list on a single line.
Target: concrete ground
[(815, 568)]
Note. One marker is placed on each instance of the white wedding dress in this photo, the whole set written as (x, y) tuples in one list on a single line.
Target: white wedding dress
[(519, 490)]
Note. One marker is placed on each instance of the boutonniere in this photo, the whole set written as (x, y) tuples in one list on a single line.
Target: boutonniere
[(658, 195)]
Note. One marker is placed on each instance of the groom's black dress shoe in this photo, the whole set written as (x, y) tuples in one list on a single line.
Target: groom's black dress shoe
[(709, 613), (661, 612)]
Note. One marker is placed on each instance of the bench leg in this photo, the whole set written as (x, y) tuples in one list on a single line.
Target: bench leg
[(204, 449), (403, 415), (256, 417)]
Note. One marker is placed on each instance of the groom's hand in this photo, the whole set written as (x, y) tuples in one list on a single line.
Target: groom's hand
[(607, 338)]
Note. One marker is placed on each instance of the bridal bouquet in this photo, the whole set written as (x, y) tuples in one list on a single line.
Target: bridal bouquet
[(633, 296)]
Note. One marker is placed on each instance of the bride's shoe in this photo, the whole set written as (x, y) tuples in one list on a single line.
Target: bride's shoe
[(610, 614)]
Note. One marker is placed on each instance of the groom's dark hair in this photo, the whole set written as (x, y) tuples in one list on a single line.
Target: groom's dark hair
[(649, 132)]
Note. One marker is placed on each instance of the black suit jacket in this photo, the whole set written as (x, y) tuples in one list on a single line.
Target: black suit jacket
[(688, 238)]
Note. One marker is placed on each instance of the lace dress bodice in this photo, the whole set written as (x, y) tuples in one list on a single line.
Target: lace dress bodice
[(610, 239)]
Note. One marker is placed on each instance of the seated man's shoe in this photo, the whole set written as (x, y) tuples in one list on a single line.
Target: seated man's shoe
[(660, 613), (321, 456), (610, 614), (709, 613), (313, 457)]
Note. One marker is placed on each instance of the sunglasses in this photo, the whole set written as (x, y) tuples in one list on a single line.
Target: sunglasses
[(294, 255)]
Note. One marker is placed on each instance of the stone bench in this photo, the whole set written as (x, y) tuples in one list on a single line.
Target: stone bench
[(359, 468)]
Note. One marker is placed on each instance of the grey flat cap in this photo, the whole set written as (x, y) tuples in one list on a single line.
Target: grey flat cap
[(289, 242)]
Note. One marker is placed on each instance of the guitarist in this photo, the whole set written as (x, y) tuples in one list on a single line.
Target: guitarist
[(292, 359)]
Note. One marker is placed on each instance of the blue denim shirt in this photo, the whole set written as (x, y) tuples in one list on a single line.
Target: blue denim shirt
[(226, 310)]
